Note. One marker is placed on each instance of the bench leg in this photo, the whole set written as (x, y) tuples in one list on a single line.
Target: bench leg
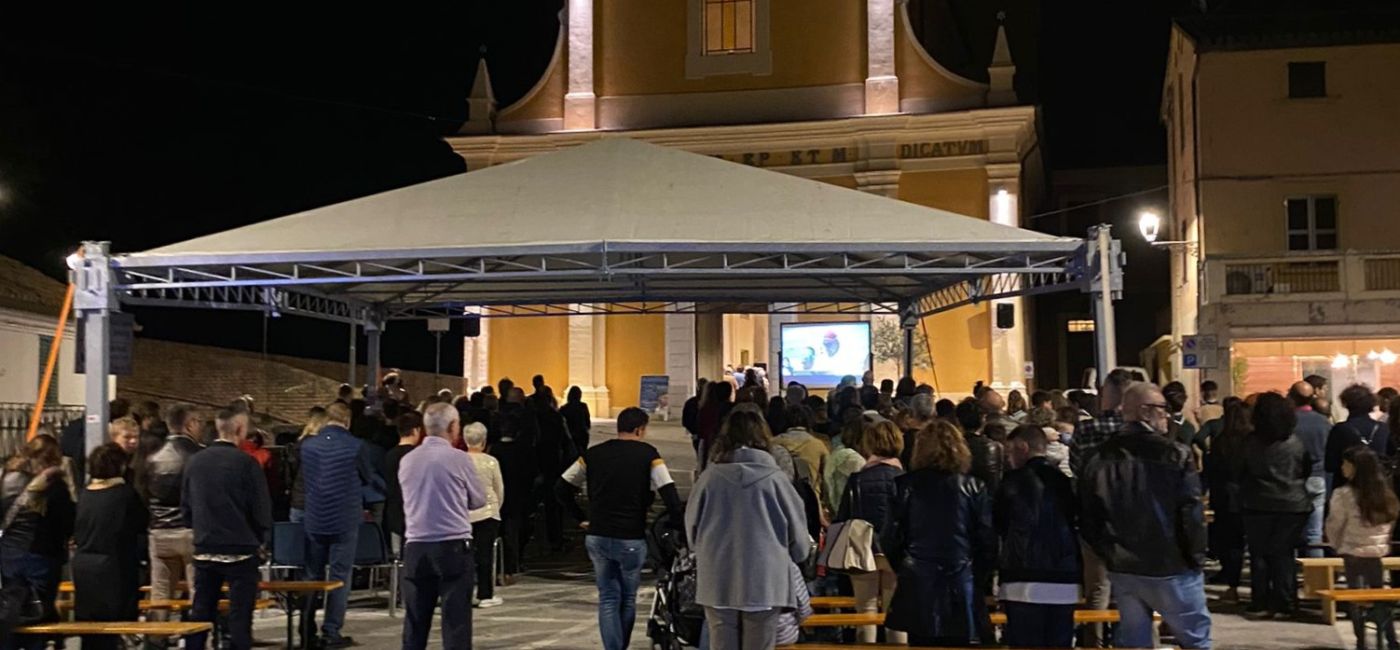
[(1315, 578)]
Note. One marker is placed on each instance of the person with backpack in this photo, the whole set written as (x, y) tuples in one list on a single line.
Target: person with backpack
[(867, 496), (1359, 522), (1358, 429)]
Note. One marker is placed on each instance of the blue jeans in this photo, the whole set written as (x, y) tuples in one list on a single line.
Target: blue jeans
[(1180, 599), (617, 564), (1312, 534), (337, 552)]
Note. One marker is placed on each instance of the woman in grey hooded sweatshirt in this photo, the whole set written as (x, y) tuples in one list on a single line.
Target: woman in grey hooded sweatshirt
[(745, 523)]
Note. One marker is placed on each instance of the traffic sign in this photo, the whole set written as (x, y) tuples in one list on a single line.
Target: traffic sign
[(1199, 351)]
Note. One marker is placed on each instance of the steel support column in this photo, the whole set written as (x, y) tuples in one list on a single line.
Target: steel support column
[(908, 320), (354, 340), (95, 302), (373, 328), (1103, 288)]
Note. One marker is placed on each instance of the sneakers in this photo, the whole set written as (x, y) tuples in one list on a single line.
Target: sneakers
[(491, 602), (340, 642)]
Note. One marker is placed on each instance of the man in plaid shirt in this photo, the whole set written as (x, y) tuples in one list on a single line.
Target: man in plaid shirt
[(1088, 435)]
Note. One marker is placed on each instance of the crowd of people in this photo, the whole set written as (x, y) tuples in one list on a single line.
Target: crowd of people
[(1042, 505), (186, 498), (1048, 504)]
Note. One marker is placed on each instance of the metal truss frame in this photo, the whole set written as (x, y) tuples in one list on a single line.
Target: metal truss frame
[(602, 280)]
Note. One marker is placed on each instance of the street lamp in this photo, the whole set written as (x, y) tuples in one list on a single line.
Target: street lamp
[(1149, 223)]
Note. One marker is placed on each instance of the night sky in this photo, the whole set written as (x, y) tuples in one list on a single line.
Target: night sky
[(148, 124)]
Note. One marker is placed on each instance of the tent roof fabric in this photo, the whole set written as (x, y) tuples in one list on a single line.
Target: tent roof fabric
[(614, 190), (615, 221)]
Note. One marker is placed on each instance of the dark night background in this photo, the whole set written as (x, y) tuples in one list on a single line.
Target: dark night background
[(149, 124)]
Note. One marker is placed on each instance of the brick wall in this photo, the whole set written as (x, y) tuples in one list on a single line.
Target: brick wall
[(284, 387)]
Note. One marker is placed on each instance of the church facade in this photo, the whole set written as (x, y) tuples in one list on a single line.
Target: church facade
[(833, 90)]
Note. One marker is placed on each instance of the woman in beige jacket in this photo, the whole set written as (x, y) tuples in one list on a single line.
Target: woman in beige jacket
[(1359, 521)]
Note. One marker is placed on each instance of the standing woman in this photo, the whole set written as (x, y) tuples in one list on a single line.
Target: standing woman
[(576, 415), (111, 519), (1275, 502), (745, 523), (936, 536), (1223, 466), (868, 495), (713, 410), (35, 542), (1359, 522)]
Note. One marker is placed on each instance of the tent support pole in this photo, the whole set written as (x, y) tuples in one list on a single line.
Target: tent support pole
[(373, 328), (908, 320), (95, 303), (1105, 331), (354, 338)]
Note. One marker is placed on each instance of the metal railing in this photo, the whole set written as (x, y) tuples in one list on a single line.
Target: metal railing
[(1382, 273), (1283, 277), (14, 422)]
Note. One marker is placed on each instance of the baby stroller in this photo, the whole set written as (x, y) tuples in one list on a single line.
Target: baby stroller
[(675, 621)]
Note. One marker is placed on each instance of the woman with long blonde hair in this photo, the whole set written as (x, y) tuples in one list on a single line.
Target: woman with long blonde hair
[(937, 535)]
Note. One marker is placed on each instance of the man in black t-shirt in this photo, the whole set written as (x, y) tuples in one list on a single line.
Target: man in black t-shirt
[(410, 427), (621, 476)]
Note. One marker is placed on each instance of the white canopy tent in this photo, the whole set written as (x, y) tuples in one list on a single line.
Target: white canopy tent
[(612, 227)]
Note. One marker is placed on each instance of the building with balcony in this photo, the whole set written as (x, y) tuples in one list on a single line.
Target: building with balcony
[(1283, 136), (890, 97)]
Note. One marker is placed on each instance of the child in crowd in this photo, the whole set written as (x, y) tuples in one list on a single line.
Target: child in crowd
[(1359, 521)]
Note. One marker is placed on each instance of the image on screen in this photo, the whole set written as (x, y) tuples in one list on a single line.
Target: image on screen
[(818, 355)]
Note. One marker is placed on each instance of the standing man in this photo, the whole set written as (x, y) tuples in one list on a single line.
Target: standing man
[(1142, 513), (1088, 435), (1211, 408), (440, 489), (226, 503), (335, 468), (410, 427), (161, 482), (1312, 431), (621, 476), (1034, 514)]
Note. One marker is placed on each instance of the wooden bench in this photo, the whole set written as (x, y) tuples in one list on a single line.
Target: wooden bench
[(1330, 597), (122, 628), (833, 602), (843, 620), (1320, 573), (1081, 617)]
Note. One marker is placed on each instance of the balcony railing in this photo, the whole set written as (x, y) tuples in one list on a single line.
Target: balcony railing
[(14, 422), (1305, 276)]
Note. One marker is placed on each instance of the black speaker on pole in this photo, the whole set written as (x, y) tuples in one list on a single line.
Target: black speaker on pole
[(471, 326), (1006, 315)]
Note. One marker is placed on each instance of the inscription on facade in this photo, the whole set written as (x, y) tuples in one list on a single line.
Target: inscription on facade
[(789, 157), (942, 149)]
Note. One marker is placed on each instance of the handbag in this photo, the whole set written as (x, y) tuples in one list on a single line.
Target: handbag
[(850, 544), (19, 603)]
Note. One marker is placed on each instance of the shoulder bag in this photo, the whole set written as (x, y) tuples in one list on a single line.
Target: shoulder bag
[(850, 544)]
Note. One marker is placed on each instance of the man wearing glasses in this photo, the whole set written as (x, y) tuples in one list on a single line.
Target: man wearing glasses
[(1142, 514)]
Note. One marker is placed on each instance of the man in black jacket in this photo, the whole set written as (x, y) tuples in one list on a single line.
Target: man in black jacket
[(161, 479), (1035, 514), (226, 502), (1142, 513)]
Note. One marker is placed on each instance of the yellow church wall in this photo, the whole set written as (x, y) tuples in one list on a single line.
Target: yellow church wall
[(848, 182), (961, 343), (520, 348), (922, 81), (641, 48), (636, 346), (963, 191), (960, 340)]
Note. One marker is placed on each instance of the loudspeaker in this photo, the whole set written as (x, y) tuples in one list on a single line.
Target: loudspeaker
[(471, 326), (1006, 315)]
